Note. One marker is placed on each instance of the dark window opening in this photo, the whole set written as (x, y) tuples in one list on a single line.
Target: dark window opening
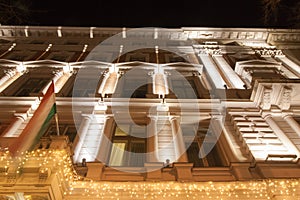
[(33, 86), (183, 88), (212, 159)]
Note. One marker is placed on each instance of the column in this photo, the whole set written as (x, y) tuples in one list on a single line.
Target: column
[(293, 123), (153, 166), (212, 71), (11, 130), (281, 135), (179, 145), (160, 84), (105, 144), (230, 75), (9, 77), (83, 129), (61, 80), (57, 76), (290, 64), (109, 83), (151, 141), (230, 143)]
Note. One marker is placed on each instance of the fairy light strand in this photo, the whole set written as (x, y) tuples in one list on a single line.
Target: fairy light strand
[(59, 163)]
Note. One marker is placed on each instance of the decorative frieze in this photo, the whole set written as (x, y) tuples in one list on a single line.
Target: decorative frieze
[(268, 52), (209, 49)]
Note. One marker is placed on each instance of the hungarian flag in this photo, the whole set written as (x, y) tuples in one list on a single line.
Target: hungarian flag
[(37, 125)]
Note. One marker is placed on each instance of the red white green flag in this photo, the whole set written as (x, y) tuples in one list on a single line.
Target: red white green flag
[(37, 125)]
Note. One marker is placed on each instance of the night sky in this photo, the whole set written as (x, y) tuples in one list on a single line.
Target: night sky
[(147, 13)]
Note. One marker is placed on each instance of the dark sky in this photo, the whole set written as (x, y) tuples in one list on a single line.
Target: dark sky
[(147, 13)]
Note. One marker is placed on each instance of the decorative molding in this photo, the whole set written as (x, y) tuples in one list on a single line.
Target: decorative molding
[(209, 49), (266, 98), (268, 52), (285, 100)]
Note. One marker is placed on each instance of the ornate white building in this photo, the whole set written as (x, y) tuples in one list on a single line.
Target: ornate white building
[(151, 113)]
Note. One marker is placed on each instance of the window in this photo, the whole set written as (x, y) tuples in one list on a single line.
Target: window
[(130, 88), (212, 159), (134, 84), (183, 88), (128, 146), (233, 58), (82, 86), (85, 87), (193, 136), (33, 86)]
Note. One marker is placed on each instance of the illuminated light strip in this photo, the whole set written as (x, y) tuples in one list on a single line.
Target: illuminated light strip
[(83, 51), (73, 185), (124, 33), (59, 33), (155, 33), (46, 50), (26, 31), (160, 86), (10, 49), (91, 32), (12, 46)]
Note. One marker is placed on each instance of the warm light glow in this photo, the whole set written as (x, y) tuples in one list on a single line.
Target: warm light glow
[(100, 106), (72, 185), (109, 83), (160, 86), (21, 68), (35, 104)]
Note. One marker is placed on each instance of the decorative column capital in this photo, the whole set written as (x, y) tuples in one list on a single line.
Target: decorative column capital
[(87, 116), (22, 116), (10, 72)]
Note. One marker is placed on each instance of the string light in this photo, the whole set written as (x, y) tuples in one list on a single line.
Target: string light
[(59, 163)]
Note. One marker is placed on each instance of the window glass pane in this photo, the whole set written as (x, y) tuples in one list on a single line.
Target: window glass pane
[(129, 143), (122, 132), (137, 156), (117, 154)]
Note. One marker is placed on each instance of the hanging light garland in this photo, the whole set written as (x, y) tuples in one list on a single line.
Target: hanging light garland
[(75, 186)]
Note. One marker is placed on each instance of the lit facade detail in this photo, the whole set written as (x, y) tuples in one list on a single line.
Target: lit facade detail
[(139, 124)]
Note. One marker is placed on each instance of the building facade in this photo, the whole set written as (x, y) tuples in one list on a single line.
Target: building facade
[(187, 113)]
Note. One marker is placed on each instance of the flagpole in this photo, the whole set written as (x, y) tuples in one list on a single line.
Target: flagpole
[(56, 115), (56, 122)]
